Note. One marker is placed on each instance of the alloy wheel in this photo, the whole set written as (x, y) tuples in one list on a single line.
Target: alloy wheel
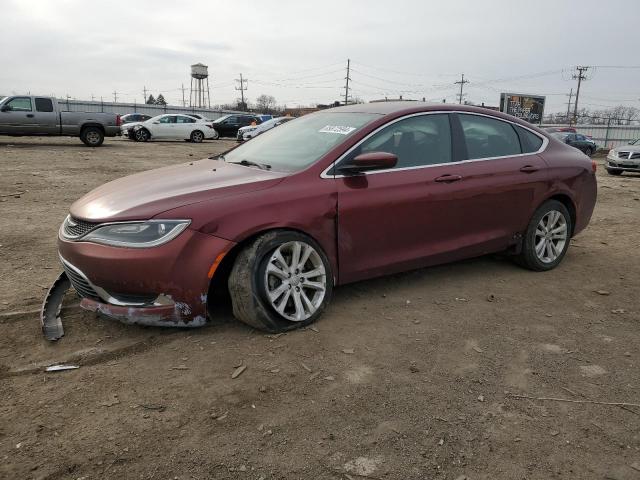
[(93, 137), (295, 281), (551, 236)]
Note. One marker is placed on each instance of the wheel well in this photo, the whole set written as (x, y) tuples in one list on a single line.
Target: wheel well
[(87, 125), (568, 203), (218, 294)]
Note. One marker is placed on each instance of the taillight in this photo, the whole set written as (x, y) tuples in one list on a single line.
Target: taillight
[(594, 166), (118, 120)]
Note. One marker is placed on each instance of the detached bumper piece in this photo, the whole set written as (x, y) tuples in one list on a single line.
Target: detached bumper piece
[(173, 315), (50, 313)]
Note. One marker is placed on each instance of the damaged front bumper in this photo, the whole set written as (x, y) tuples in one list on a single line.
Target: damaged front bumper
[(161, 286)]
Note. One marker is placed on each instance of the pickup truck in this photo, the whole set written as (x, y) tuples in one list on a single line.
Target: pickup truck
[(25, 115)]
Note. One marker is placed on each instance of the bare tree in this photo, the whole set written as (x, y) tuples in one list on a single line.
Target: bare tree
[(265, 103)]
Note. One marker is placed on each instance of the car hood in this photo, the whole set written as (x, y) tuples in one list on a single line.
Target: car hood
[(247, 129), (148, 194), (628, 148)]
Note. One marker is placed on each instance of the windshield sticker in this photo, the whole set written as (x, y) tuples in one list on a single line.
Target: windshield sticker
[(340, 129)]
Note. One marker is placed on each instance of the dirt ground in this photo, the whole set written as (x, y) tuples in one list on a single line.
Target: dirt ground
[(406, 377)]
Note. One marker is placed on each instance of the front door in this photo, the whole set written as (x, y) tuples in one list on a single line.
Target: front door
[(391, 220), (17, 117)]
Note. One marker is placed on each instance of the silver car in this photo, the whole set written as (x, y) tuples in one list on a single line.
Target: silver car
[(624, 159)]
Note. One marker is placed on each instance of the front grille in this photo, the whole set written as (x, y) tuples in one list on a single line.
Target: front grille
[(623, 155), (80, 283), (74, 228), (634, 155)]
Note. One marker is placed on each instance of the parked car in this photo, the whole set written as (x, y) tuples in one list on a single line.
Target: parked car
[(337, 196), (170, 127), (248, 132), (33, 115), (560, 129), (579, 141), (134, 117), (228, 125), (624, 159)]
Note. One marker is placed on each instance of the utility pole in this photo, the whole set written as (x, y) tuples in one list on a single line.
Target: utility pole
[(580, 76), (115, 97), (243, 86), (346, 87), (462, 81), (184, 104), (144, 93), (569, 106), (92, 97)]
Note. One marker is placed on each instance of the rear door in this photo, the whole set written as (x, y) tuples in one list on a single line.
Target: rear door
[(501, 182), (46, 116), (184, 126), (18, 117)]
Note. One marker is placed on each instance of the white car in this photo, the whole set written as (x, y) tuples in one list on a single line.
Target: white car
[(250, 131), (170, 126)]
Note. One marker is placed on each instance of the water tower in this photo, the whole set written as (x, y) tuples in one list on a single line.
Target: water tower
[(199, 86)]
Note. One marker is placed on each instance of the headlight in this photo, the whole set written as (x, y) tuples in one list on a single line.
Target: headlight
[(137, 234)]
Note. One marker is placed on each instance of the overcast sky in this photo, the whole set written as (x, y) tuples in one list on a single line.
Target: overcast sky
[(297, 50)]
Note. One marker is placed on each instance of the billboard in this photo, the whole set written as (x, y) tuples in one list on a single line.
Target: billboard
[(526, 107)]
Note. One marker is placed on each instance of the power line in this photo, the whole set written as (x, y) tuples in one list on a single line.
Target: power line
[(462, 81)]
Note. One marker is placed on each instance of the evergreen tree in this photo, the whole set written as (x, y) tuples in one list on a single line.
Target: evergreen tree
[(151, 100), (160, 100)]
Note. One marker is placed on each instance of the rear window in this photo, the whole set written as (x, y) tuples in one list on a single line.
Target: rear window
[(44, 105), (487, 137), (529, 141)]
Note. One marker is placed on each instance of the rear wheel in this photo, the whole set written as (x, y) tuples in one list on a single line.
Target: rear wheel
[(588, 151), (197, 136), (92, 136), (547, 237), (614, 172), (280, 282)]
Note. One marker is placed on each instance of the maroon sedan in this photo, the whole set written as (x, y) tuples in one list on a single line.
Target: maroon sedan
[(330, 198)]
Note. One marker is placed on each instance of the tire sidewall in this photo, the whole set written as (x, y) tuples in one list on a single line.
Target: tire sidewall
[(529, 243), (263, 255)]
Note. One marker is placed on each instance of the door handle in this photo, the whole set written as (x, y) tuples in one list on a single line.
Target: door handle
[(29, 115), (529, 169), (448, 178)]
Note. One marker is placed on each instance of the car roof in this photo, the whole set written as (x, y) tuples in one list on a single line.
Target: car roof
[(397, 109)]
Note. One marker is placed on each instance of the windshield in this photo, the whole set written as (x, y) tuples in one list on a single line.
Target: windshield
[(635, 142), (297, 144), (218, 120)]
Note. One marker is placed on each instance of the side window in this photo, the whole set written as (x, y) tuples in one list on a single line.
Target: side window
[(416, 141), (232, 120), (529, 141), (166, 119), (580, 138), (20, 104), (487, 137), (181, 119), (44, 105)]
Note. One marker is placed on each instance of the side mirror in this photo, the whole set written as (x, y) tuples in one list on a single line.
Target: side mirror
[(5, 108), (370, 161)]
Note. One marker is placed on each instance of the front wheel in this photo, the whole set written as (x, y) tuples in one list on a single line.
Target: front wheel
[(142, 135), (92, 136), (280, 282), (547, 237), (614, 172)]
